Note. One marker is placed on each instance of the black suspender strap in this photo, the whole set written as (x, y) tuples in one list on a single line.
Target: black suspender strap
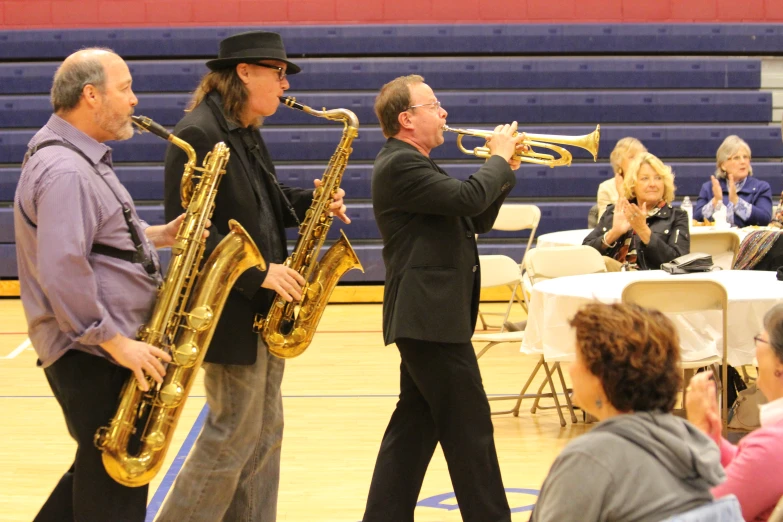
[(132, 256)]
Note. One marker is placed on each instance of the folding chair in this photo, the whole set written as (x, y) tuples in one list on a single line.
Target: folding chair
[(722, 245), (678, 296), (514, 217), (724, 509), (542, 264), (559, 261), (498, 270)]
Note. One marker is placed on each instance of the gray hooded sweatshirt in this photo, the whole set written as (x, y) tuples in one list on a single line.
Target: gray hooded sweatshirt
[(641, 467)]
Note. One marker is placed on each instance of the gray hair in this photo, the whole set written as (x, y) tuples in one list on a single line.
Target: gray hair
[(773, 324), (74, 74), (727, 149)]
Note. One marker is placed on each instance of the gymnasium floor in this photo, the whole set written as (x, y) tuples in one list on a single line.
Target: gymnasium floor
[(338, 397)]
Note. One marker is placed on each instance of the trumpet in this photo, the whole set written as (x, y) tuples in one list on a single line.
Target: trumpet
[(589, 142)]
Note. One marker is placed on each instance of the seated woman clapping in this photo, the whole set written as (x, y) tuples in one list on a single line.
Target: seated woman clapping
[(754, 468), (640, 462), (643, 229), (748, 200)]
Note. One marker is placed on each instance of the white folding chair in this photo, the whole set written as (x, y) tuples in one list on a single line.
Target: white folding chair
[(678, 296), (722, 245), (514, 217), (724, 509), (498, 270), (560, 261), (542, 264)]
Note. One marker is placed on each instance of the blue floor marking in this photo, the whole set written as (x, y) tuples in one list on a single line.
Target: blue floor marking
[(179, 460)]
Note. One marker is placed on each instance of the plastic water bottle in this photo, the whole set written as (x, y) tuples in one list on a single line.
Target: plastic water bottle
[(687, 206)]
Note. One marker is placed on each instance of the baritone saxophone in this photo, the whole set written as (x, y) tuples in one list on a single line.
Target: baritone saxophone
[(183, 321)]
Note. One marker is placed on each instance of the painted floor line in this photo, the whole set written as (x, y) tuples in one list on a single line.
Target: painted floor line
[(179, 460), (19, 349)]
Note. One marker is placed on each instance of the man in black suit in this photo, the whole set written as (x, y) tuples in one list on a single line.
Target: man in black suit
[(428, 222), (233, 470)]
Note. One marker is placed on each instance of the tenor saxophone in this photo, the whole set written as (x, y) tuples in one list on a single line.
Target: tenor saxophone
[(183, 320), (288, 328)]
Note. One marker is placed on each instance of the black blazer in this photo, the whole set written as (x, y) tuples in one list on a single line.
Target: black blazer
[(428, 221), (670, 238), (238, 197)]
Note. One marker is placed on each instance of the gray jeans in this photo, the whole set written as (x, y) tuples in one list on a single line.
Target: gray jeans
[(233, 472)]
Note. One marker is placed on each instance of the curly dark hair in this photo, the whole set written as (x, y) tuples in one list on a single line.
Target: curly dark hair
[(634, 351)]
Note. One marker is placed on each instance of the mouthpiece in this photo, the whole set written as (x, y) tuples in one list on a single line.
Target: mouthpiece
[(146, 124), (291, 102)]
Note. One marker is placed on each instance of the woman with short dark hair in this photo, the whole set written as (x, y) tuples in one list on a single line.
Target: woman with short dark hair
[(640, 462)]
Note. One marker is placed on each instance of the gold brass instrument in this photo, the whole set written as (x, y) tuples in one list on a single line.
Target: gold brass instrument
[(588, 142), (183, 321), (288, 328)]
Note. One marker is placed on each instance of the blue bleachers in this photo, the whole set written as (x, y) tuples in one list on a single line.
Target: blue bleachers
[(680, 88), (580, 180), (511, 72), (317, 143), (369, 254), (554, 216), (415, 40), (532, 108)]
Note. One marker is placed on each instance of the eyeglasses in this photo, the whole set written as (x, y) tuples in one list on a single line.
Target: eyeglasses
[(280, 70), (435, 105), (758, 339)]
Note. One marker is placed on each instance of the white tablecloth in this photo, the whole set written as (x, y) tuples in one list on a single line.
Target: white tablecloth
[(751, 294), (575, 237)]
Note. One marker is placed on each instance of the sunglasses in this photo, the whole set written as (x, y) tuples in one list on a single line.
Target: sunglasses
[(280, 70)]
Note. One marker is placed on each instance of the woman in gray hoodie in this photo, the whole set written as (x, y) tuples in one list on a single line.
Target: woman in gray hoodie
[(640, 462)]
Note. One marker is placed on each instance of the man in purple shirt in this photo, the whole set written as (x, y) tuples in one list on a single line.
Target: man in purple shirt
[(88, 273)]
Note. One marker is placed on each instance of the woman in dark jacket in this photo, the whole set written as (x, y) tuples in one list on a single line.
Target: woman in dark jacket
[(643, 230)]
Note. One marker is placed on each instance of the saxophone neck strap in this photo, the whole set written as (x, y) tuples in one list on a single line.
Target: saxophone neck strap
[(255, 150)]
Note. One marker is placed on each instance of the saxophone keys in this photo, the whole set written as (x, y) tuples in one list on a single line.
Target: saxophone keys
[(185, 355), (171, 395), (155, 439), (258, 323), (299, 334), (276, 339), (200, 318)]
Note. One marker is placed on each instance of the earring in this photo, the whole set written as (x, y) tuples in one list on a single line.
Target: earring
[(599, 403)]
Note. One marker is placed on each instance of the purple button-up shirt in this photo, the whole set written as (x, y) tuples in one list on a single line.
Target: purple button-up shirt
[(75, 300)]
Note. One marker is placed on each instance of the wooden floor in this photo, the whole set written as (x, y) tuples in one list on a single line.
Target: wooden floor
[(338, 397)]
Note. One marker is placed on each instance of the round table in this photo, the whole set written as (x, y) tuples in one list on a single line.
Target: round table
[(750, 293), (575, 237)]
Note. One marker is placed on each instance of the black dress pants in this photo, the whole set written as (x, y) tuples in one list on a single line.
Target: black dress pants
[(87, 388), (442, 399)]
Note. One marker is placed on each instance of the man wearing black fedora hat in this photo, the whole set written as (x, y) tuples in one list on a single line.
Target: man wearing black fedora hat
[(233, 471)]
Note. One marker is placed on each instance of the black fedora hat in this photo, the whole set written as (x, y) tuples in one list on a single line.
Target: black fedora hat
[(251, 47)]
